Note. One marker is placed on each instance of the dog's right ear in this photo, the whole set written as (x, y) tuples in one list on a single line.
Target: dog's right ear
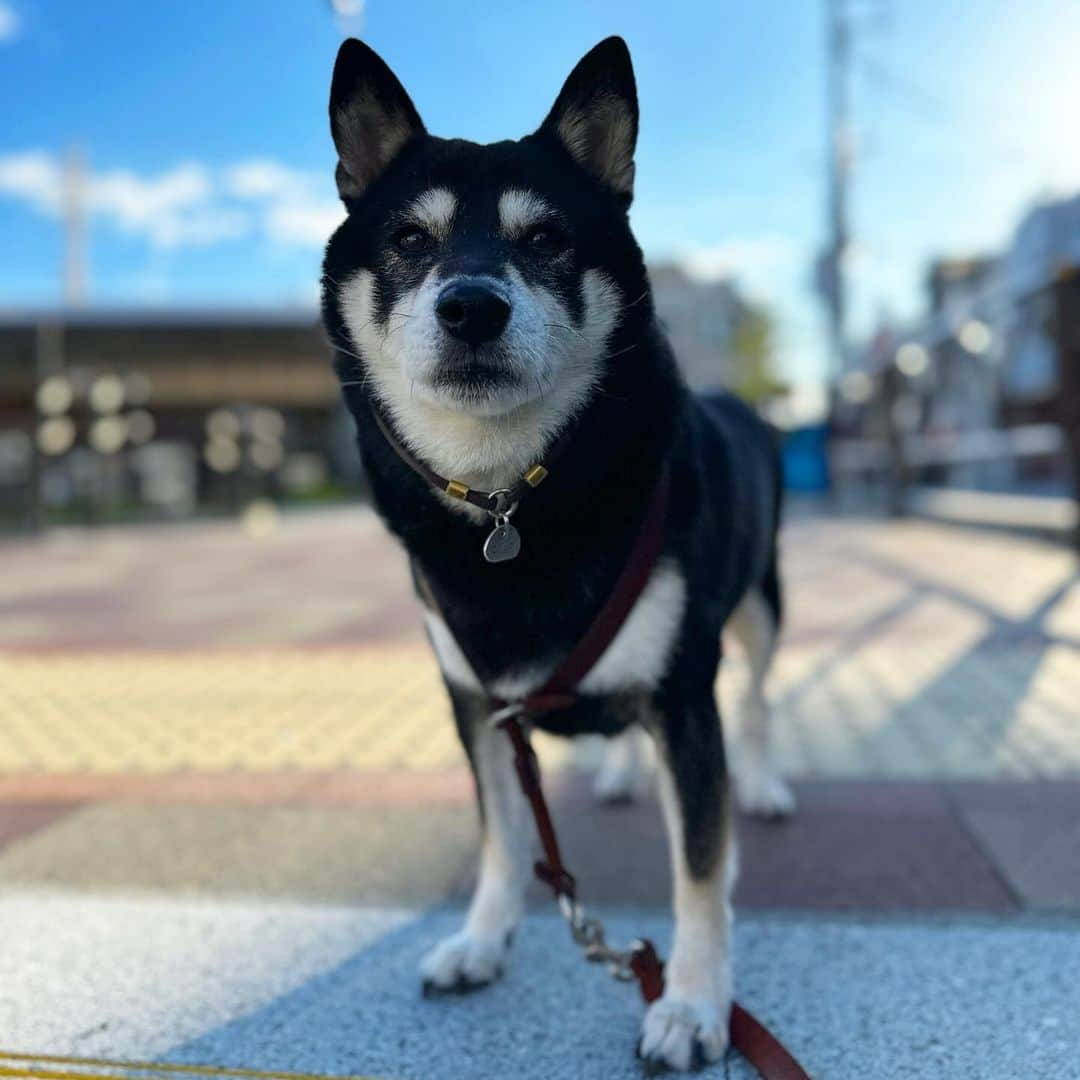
[(371, 117), (595, 116)]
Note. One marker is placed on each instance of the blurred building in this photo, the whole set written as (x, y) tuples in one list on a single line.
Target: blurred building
[(701, 319), (976, 394), (965, 336), (112, 413), (1045, 248), (168, 409)]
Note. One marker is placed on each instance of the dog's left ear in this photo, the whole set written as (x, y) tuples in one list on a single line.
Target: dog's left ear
[(371, 117), (595, 115)]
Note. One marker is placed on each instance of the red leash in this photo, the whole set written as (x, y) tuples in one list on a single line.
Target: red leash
[(641, 961)]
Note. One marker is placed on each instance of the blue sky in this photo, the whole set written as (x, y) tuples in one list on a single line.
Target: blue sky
[(204, 129)]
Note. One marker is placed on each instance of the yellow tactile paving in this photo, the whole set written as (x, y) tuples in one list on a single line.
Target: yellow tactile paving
[(911, 651), (303, 709), (887, 707)]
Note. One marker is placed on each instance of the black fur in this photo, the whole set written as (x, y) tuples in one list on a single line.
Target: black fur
[(578, 526)]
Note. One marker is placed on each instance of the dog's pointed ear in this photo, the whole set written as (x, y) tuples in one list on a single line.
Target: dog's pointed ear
[(595, 115), (371, 117)]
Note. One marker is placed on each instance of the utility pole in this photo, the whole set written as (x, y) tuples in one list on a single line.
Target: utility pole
[(840, 152), (74, 294)]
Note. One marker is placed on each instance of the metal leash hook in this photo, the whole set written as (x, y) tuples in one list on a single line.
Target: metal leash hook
[(640, 961), (588, 934)]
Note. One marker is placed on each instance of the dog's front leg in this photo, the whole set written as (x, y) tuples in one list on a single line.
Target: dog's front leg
[(690, 1021), (474, 956)]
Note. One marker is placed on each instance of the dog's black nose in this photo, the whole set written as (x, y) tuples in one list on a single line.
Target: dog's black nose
[(472, 311)]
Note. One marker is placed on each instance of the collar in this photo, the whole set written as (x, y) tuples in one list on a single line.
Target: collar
[(494, 502), (504, 541)]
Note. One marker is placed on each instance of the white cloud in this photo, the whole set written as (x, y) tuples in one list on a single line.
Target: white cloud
[(171, 209), (200, 228), (305, 223), (188, 205), (33, 177), (135, 201), (297, 209), (263, 178), (9, 22)]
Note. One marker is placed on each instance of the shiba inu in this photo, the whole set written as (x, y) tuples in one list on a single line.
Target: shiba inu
[(516, 401)]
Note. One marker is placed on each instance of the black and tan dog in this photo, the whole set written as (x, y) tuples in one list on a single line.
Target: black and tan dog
[(491, 312)]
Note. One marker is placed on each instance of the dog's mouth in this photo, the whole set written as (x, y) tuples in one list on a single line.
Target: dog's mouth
[(474, 378)]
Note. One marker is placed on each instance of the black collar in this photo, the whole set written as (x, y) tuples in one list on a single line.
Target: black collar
[(494, 502), (503, 542)]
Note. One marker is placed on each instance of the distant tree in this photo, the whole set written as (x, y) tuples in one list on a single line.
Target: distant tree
[(753, 356)]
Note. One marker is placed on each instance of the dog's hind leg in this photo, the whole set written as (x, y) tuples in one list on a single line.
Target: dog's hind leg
[(689, 1022), (760, 788), (475, 955), (623, 767)]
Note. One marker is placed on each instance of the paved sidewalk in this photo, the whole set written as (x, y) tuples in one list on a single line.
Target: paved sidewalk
[(870, 846), (334, 991), (233, 813), (912, 650)]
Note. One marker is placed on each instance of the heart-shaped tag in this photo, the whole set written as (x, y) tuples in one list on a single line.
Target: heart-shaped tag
[(503, 543)]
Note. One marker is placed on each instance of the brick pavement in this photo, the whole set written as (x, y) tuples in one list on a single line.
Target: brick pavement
[(912, 651), (199, 709)]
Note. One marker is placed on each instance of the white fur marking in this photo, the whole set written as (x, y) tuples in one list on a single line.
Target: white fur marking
[(636, 659), (623, 769), (434, 210), (639, 655), (476, 953), (519, 209), (487, 446), (698, 987), (455, 668), (759, 787)]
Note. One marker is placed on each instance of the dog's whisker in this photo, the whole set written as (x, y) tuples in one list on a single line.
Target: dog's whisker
[(563, 326)]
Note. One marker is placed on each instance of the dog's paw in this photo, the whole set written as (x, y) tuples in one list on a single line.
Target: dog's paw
[(681, 1033), (762, 792), (622, 771), (463, 962), (614, 785)]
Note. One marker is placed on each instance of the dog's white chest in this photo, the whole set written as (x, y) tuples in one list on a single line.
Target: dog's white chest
[(635, 660)]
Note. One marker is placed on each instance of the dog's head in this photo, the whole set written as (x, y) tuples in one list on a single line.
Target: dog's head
[(475, 289)]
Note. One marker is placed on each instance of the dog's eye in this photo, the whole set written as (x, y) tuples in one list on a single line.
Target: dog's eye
[(413, 240), (544, 239)]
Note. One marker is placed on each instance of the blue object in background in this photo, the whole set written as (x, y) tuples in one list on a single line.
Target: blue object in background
[(806, 466)]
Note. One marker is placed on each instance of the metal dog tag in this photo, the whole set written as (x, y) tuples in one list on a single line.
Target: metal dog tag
[(503, 542)]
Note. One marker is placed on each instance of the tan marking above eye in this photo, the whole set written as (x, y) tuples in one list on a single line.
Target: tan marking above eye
[(520, 210), (434, 211)]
